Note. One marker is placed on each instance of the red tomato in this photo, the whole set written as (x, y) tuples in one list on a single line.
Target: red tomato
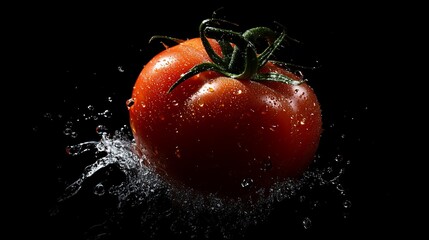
[(217, 133)]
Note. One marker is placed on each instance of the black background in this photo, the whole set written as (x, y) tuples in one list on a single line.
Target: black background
[(72, 54)]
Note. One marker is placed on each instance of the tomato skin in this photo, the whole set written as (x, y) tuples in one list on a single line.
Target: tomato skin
[(221, 135)]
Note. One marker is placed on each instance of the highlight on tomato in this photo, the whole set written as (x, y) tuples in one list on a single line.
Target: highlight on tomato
[(218, 115)]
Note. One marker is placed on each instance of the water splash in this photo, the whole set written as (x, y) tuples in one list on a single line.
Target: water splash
[(143, 193), (140, 197)]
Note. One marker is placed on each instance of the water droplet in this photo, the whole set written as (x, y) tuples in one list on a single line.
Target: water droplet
[(130, 102), (338, 158), (306, 223), (267, 164), (107, 113), (48, 116), (99, 189), (101, 129), (68, 124), (299, 74), (347, 204), (73, 134), (247, 182), (91, 108), (68, 131), (121, 69), (177, 152)]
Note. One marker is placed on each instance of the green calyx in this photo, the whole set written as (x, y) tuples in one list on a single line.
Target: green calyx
[(240, 58)]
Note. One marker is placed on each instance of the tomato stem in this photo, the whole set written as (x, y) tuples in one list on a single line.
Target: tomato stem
[(240, 58)]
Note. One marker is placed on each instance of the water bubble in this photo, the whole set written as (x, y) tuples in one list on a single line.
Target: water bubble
[(347, 204), (73, 134), (121, 69), (338, 158), (68, 131), (130, 102), (101, 129), (107, 114), (306, 223), (99, 189), (48, 116), (247, 182), (68, 124)]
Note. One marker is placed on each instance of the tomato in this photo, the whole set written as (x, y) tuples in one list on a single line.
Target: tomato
[(221, 118)]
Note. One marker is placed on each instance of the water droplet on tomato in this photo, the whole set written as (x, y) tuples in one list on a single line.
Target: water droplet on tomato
[(238, 92), (130, 102), (273, 127)]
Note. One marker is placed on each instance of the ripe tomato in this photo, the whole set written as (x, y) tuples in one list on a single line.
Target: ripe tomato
[(228, 127)]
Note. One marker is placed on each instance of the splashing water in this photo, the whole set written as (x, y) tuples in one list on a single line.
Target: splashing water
[(140, 197)]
